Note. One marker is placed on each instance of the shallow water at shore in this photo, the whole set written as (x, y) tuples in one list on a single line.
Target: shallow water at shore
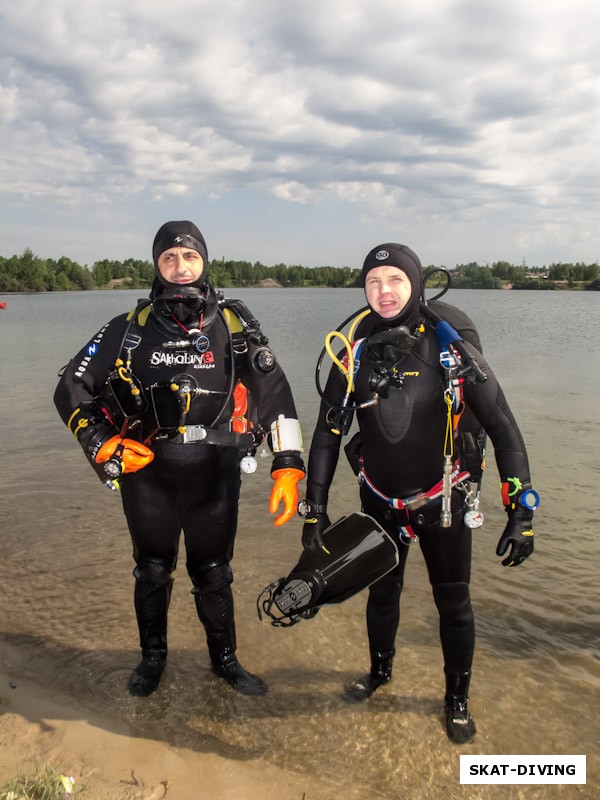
[(65, 569)]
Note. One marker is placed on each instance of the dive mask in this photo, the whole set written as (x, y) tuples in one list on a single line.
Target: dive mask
[(390, 346), (179, 301), (386, 350)]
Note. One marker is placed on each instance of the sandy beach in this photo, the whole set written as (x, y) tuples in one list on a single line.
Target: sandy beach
[(39, 728)]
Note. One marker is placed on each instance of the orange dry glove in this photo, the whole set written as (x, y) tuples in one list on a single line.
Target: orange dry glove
[(127, 454), (286, 489)]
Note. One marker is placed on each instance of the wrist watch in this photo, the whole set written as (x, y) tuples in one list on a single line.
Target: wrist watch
[(113, 467), (529, 499), (306, 508)]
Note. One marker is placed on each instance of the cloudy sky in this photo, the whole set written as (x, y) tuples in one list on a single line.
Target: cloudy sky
[(302, 132)]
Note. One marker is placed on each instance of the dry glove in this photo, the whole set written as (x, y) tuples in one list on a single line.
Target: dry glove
[(285, 489), (123, 455)]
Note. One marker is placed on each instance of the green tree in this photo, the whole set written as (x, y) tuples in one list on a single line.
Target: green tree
[(260, 272), (80, 277), (558, 272), (590, 272), (8, 282), (141, 273), (502, 270), (32, 272), (476, 277), (102, 272), (280, 274), (296, 276), (63, 284), (219, 275)]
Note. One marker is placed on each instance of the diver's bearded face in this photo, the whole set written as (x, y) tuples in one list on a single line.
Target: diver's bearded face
[(180, 265), (387, 290)]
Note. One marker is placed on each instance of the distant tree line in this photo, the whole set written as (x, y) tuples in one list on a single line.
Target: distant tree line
[(30, 273), (502, 274), (244, 274)]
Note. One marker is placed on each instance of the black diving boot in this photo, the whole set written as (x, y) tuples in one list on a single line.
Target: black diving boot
[(381, 671), (225, 664), (214, 604), (460, 725), (151, 599), (146, 676)]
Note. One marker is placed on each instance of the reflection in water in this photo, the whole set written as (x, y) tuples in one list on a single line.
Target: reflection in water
[(65, 568)]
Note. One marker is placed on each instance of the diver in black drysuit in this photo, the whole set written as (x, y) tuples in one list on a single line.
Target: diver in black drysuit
[(400, 445), (181, 340)]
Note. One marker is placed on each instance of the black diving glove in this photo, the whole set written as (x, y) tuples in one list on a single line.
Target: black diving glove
[(312, 531), (518, 535)]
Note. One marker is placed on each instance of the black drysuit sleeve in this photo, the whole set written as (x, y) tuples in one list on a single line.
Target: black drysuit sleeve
[(84, 377), (325, 446), (271, 394), (488, 403), (270, 390)]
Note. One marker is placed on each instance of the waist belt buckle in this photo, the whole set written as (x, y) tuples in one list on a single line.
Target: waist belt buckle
[(194, 433)]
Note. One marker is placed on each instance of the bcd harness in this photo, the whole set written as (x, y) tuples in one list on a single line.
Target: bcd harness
[(125, 402), (458, 365)]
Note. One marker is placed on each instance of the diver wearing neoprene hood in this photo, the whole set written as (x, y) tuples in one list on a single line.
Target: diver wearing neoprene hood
[(169, 403), (415, 383)]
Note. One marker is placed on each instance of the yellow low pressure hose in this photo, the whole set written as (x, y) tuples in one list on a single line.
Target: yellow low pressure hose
[(347, 342), (356, 323), (348, 371)]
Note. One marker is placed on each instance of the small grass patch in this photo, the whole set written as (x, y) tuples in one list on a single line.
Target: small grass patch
[(44, 784)]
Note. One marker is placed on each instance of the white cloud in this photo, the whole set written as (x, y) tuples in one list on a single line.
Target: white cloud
[(472, 123)]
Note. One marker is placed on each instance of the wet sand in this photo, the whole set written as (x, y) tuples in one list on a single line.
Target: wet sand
[(40, 727)]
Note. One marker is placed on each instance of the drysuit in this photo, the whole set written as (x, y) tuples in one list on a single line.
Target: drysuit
[(189, 486)]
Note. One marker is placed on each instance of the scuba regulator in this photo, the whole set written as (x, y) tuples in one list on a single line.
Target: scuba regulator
[(386, 350)]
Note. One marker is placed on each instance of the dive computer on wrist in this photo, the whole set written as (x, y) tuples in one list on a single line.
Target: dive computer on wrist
[(529, 499), (306, 508)]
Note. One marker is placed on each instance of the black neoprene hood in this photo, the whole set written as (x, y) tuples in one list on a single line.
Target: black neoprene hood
[(392, 254), (180, 233)]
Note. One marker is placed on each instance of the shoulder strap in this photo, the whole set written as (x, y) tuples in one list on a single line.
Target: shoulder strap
[(137, 316), (249, 325), (141, 316), (233, 320)]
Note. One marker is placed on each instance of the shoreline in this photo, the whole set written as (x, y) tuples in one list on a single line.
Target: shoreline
[(40, 727), (557, 287)]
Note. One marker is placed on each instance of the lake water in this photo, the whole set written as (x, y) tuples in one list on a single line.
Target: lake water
[(66, 609)]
